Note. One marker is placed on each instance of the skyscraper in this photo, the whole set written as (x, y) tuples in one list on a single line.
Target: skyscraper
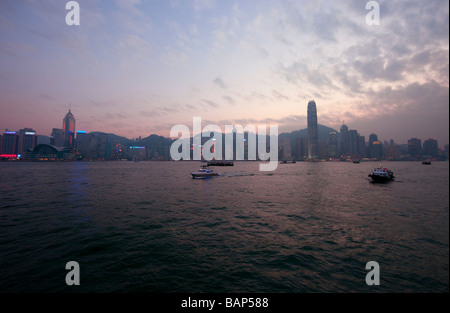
[(69, 130), (313, 133), (343, 134)]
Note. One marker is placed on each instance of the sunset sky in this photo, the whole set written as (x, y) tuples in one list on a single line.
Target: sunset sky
[(139, 67)]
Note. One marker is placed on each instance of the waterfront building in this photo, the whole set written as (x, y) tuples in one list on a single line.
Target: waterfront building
[(301, 148), (362, 146), (10, 143), (415, 147), (313, 133), (343, 137), (284, 152), (375, 150), (353, 142), (57, 137), (430, 147), (69, 130), (333, 145), (27, 140)]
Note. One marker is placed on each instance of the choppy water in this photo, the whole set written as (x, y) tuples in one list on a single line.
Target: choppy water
[(149, 227)]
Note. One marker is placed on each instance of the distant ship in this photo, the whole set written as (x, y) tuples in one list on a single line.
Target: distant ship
[(426, 162), (220, 163), (204, 172), (381, 174)]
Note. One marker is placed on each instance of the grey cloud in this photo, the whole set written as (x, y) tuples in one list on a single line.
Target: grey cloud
[(152, 113), (229, 99), (211, 103), (408, 112), (299, 72), (220, 82), (46, 97), (278, 96)]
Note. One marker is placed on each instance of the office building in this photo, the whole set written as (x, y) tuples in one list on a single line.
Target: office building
[(27, 140), (57, 137), (430, 148), (10, 143), (414, 147), (333, 145), (313, 133), (69, 130)]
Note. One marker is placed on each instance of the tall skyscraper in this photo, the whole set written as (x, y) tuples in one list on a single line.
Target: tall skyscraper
[(69, 130), (353, 142), (313, 133), (362, 146), (343, 135)]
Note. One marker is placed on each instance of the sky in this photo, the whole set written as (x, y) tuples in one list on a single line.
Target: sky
[(140, 67)]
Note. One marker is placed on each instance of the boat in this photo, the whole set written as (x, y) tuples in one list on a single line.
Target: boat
[(204, 172), (381, 174), (426, 162)]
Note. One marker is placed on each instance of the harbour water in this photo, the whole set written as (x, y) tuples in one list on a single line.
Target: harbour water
[(149, 227)]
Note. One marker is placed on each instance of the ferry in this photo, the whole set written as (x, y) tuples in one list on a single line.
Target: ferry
[(204, 172), (381, 174)]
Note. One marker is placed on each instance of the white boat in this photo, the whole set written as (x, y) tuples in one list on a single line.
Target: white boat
[(381, 174), (204, 172)]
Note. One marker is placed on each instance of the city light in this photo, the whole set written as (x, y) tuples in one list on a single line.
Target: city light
[(8, 156)]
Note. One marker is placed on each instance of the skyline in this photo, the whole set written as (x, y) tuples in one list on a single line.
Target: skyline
[(136, 68)]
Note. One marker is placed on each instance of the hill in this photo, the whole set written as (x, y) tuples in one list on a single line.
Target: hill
[(324, 133)]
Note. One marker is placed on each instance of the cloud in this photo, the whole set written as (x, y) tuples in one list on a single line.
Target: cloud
[(201, 5), (46, 97), (211, 103), (278, 96), (174, 58), (229, 99), (219, 82)]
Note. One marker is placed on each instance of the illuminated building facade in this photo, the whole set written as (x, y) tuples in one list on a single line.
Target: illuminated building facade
[(69, 130)]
